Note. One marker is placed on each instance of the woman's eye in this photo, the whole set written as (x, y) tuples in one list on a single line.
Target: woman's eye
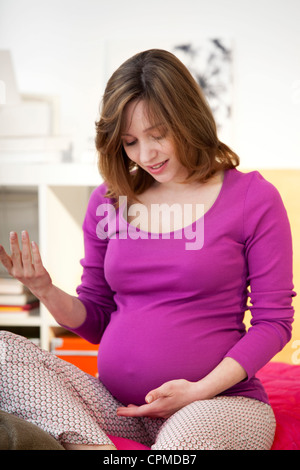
[(160, 135), (129, 144)]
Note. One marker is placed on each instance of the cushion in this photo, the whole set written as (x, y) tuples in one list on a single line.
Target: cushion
[(18, 434)]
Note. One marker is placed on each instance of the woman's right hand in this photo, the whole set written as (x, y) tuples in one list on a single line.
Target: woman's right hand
[(26, 264)]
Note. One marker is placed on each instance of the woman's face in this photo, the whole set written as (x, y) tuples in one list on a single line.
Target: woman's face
[(150, 147)]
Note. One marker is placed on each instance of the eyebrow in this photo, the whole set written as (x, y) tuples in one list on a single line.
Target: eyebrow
[(155, 126)]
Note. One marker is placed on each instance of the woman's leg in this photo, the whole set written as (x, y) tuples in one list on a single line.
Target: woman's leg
[(70, 405), (79, 412), (222, 423)]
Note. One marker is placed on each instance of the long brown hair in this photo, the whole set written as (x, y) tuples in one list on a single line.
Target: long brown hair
[(174, 99)]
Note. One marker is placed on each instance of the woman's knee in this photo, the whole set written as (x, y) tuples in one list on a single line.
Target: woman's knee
[(223, 423)]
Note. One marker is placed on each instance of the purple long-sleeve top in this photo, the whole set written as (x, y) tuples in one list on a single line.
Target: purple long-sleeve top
[(162, 311)]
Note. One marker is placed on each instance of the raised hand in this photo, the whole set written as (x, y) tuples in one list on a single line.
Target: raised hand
[(26, 264)]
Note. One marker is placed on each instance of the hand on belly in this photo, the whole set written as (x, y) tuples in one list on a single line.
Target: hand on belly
[(163, 401)]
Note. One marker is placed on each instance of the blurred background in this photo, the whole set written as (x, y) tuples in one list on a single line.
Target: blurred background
[(60, 50)]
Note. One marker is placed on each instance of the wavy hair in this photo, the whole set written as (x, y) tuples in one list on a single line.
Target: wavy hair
[(174, 99)]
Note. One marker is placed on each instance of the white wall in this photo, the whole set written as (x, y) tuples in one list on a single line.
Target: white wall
[(58, 48)]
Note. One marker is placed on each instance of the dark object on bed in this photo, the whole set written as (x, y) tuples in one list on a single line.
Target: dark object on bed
[(18, 434)]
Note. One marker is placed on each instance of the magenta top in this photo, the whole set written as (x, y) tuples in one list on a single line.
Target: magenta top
[(161, 311)]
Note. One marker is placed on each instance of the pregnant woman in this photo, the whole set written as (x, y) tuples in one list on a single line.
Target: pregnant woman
[(176, 241)]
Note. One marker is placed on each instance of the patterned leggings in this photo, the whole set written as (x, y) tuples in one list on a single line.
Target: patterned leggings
[(76, 408)]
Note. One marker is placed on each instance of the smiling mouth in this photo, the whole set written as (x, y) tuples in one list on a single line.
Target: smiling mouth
[(159, 165)]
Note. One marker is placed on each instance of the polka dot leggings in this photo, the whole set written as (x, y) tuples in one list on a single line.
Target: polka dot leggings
[(75, 408)]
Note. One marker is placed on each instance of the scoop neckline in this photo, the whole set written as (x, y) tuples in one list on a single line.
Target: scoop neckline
[(187, 227)]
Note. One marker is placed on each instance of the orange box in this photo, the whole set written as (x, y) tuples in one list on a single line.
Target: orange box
[(77, 351)]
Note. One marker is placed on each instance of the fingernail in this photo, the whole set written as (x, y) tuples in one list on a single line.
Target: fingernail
[(23, 234), (149, 399), (12, 234)]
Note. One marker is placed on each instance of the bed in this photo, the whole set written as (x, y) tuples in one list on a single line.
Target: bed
[(282, 383)]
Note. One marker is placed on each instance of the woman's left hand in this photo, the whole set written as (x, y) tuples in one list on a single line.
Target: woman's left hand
[(163, 401)]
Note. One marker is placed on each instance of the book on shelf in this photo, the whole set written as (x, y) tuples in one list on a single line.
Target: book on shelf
[(10, 285), (28, 309), (16, 298), (20, 308)]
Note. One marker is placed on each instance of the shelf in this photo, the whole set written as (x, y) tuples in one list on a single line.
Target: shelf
[(57, 174), (19, 319), (62, 192)]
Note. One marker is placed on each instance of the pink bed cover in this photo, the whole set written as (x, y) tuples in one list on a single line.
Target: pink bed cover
[(282, 383)]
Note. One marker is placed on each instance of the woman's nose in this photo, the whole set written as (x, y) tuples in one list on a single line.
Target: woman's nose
[(147, 154)]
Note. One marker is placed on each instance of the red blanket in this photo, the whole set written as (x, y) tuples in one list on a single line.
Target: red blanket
[(282, 383)]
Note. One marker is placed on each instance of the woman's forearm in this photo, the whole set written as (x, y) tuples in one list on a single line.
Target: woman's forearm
[(227, 374), (65, 308)]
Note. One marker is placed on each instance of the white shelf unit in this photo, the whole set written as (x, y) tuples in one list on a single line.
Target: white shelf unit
[(63, 191)]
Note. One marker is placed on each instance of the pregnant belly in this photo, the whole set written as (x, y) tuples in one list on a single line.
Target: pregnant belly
[(136, 357)]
